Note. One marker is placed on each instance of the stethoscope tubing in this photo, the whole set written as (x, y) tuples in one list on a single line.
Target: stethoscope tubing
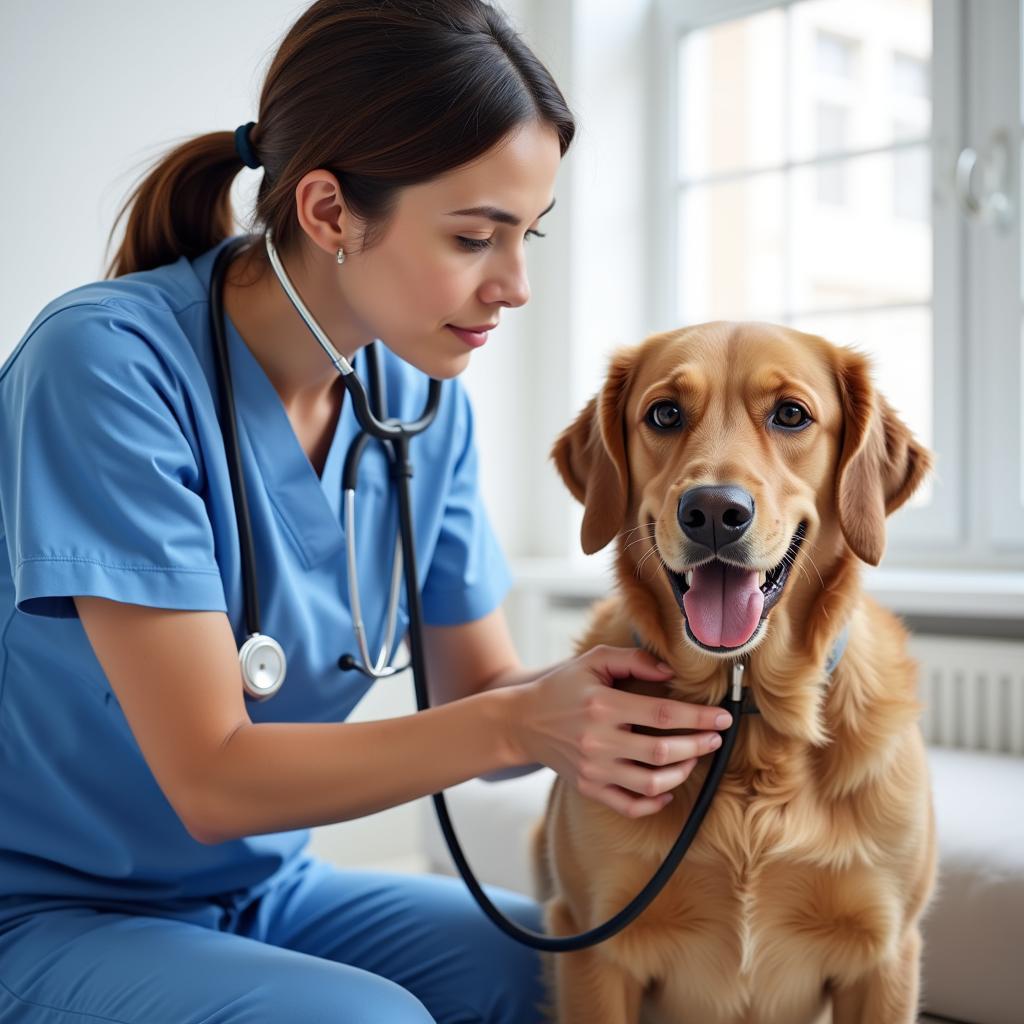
[(395, 437), (539, 941)]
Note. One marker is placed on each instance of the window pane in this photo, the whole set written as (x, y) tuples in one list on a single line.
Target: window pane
[(910, 76), (870, 248), (835, 55), (871, 59), (731, 95), (731, 253)]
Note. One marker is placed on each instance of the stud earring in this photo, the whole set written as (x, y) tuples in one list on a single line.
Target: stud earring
[(341, 255)]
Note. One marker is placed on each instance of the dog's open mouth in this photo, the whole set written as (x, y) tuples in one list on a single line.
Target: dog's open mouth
[(723, 605)]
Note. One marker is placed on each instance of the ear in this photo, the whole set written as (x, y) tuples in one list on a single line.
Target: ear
[(881, 464), (590, 455)]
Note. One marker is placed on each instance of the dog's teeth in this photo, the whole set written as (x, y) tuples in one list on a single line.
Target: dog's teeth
[(689, 578), (762, 577)]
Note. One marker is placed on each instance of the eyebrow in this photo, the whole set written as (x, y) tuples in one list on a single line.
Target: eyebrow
[(495, 214)]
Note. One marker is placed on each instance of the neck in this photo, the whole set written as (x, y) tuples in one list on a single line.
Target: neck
[(786, 675), (276, 334)]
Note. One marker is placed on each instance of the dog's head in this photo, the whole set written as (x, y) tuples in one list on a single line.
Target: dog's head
[(730, 453)]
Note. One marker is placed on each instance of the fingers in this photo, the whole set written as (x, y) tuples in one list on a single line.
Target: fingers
[(652, 792), (634, 787), (665, 713), (659, 751), (627, 803), (639, 781), (623, 662)]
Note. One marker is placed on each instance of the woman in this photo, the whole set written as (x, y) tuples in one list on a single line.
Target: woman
[(152, 863)]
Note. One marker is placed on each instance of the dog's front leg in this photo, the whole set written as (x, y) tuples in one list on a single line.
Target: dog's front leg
[(589, 988), (888, 994)]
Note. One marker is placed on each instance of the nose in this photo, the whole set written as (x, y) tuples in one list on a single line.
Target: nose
[(715, 516), (510, 286)]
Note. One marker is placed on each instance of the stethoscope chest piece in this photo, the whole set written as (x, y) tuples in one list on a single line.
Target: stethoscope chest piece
[(263, 666)]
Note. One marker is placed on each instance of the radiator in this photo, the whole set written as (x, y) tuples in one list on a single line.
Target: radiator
[(973, 692)]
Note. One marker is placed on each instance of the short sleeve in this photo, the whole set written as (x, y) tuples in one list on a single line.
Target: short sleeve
[(100, 480), (469, 575)]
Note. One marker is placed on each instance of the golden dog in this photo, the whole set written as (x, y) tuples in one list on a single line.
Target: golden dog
[(746, 471)]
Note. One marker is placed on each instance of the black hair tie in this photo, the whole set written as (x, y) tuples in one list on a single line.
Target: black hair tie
[(243, 145)]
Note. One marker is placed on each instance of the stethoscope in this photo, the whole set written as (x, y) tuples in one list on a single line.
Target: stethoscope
[(262, 659)]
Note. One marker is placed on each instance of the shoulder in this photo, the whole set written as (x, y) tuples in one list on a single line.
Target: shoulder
[(138, 323)]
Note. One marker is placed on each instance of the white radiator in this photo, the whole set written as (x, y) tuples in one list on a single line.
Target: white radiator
[(973, 692)]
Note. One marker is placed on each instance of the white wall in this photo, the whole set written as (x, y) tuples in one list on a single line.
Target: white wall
[(93, 93)]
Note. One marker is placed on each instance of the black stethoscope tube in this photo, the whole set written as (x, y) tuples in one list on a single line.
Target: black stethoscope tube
[(402, 471), (233, 449), (395, 436)]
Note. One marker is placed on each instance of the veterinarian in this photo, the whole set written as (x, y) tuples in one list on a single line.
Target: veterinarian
[(153, 863)]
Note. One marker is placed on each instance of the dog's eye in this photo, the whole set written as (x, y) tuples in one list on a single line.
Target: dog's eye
[(665, 416), (791, 415)]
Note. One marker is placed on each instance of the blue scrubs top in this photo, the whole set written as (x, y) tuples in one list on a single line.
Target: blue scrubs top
[(114, 482)]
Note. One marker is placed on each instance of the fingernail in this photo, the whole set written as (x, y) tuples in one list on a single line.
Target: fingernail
[(723, 721), (714, 743), (664, 667)]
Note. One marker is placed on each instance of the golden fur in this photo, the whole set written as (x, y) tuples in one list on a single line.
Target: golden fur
[(806, 883)]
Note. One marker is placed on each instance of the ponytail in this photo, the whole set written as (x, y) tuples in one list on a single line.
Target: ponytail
[(182, 208)]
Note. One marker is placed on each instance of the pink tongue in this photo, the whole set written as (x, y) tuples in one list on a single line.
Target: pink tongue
[(723, 605)]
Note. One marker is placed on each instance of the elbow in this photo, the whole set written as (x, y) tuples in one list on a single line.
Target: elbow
[(205, 816), (201, 833), (208, 814), (203, 825)]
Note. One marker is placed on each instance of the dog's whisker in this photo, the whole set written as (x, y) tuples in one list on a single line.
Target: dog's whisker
[(815, 568), (647, 555), (640, 564), (639, 540), (642, 526)]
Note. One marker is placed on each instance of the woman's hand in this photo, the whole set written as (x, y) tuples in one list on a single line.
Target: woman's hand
[(573, 721)]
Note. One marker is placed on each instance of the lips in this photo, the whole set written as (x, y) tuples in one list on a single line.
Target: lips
[(472, 336), (723, 605)]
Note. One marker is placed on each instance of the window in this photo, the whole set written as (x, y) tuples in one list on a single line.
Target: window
[(812, 184)]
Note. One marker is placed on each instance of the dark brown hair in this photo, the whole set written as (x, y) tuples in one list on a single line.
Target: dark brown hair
[(382, 93)]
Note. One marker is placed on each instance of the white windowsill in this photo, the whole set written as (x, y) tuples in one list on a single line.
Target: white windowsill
[(979, 595)]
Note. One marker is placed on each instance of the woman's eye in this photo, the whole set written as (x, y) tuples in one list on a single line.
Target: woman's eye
[(473, 244), (791, 415), (479, 244), (665, 416)]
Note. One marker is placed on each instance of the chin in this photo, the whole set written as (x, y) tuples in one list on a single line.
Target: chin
[(440, 366), (430, 358)]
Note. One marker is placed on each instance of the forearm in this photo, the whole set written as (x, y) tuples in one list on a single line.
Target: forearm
[(272, 777)]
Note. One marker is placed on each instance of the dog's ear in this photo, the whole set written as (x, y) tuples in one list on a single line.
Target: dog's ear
[(591, 457), (880, 465)]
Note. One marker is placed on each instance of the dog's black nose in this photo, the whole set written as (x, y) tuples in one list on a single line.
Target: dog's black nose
[(715, 516)]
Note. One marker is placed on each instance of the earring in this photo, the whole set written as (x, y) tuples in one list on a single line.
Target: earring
[(341, 255)]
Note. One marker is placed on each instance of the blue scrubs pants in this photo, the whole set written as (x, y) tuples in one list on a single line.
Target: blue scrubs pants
[(322, 945)]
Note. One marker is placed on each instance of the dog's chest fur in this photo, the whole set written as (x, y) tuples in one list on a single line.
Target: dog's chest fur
[(780, 892), (752, 915)]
